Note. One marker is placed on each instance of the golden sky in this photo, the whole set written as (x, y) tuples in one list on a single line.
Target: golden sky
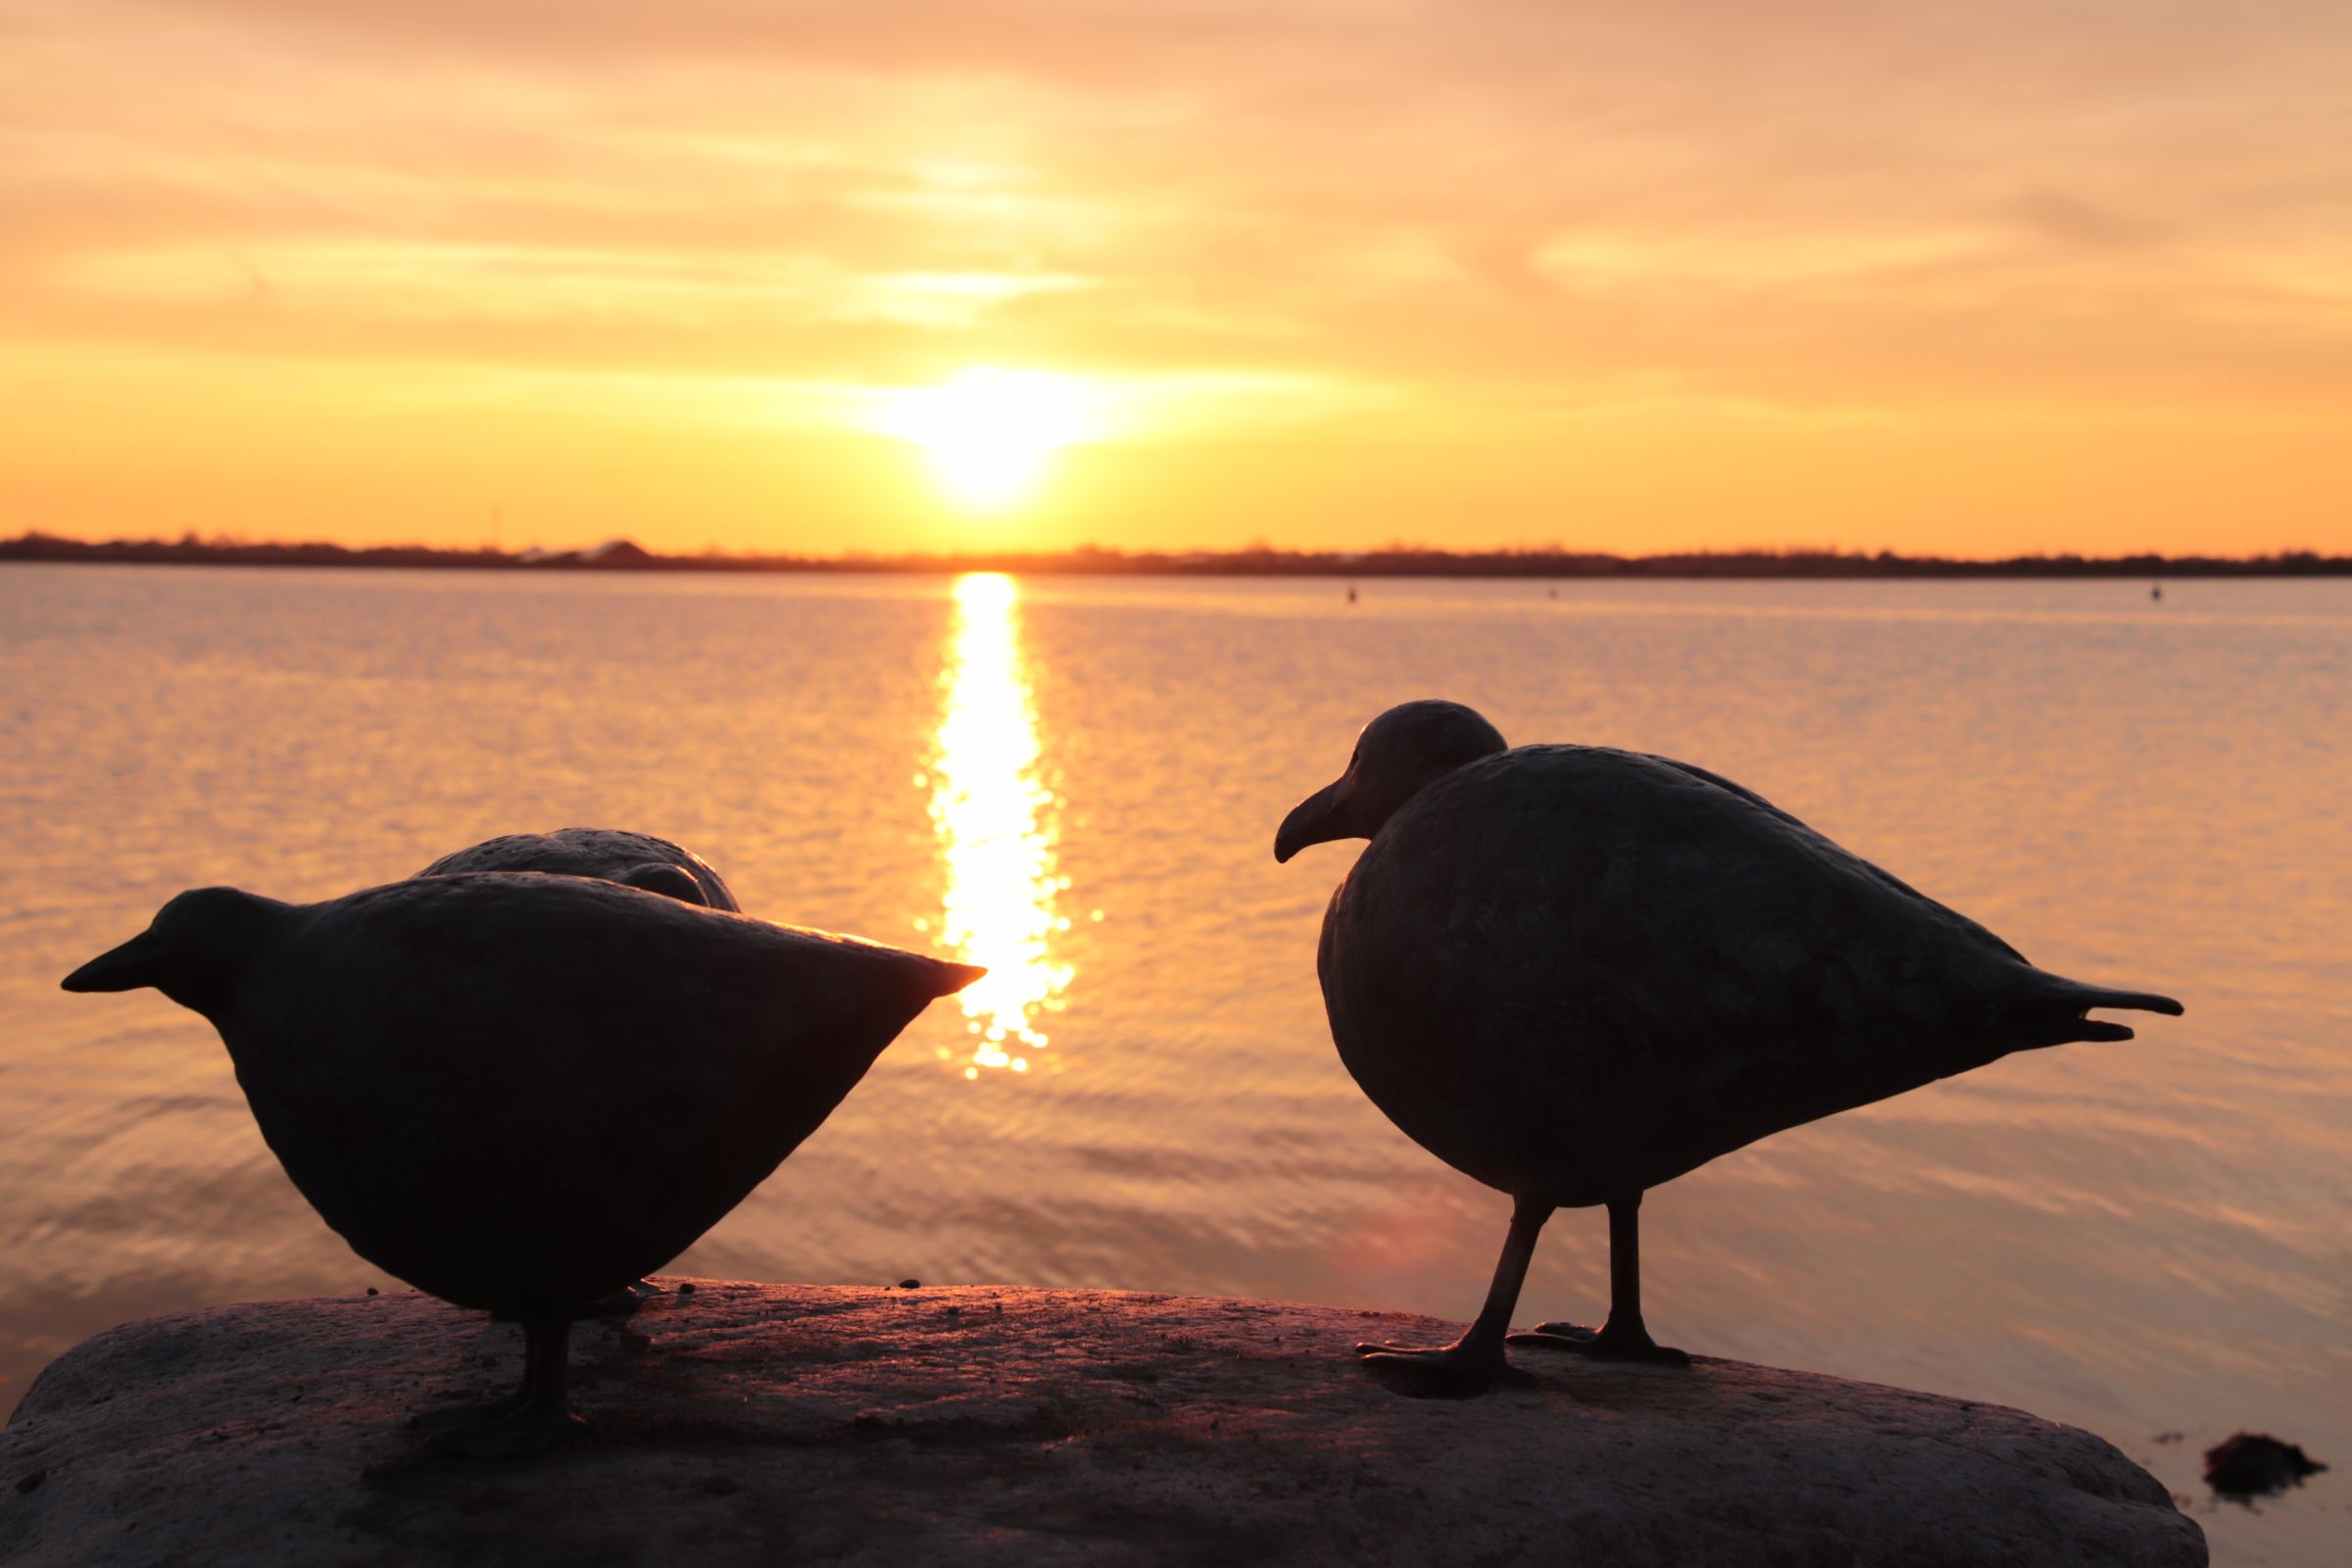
[(1624, 274)]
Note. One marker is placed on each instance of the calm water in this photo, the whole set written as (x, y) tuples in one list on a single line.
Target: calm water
[(1079, 782)]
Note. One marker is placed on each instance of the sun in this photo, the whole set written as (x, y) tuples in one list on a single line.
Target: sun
[(990, 434)]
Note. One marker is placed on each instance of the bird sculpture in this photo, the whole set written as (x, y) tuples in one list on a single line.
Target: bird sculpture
[(520, 1092), (1574, 973), (634, 860)]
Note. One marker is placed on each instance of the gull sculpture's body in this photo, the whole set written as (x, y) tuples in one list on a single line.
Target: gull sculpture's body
[(522, 1092), (1574, 973)]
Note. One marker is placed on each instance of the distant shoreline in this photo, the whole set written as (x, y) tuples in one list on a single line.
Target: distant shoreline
[(621, 554)]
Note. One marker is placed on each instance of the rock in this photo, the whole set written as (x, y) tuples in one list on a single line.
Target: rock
[(762, 1423)]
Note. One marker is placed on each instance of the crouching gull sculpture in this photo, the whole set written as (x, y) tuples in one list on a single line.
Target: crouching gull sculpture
[(635, 859), (1574, 973), (522, 1091)]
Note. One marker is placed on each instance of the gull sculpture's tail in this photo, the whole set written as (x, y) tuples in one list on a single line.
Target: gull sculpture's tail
[(2057, 1015)]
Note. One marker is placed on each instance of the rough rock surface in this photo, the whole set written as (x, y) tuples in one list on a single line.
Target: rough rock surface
[(737, 1423)]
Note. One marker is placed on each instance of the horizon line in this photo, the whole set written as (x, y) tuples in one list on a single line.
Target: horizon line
[(1394, 559)]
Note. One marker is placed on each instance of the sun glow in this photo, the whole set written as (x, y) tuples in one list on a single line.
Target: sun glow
[(994, 819), (990, 434)]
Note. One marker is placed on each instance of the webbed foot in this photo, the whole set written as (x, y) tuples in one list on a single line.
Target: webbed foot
[(1456, 1371), (1602, 1343)]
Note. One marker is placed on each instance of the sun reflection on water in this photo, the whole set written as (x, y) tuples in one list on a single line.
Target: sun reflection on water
[(995, 822)]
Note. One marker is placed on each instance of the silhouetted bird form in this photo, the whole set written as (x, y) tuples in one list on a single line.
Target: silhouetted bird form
[(634, 860), (1574, 973), (522, 1092)]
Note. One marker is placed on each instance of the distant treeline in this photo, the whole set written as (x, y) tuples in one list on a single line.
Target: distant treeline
[(1399, 561)]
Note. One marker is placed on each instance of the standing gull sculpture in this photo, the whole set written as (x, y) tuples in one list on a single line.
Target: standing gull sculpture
[(522, 1092), (1574, 973), (634, 860)]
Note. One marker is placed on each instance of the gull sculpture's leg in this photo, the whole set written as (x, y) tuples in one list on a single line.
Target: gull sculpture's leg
[(1475, 1362), (1623, 1337), (531, 1419)]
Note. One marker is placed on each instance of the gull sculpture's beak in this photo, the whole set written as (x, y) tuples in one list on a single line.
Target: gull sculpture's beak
[(1317, 819), (125, 969)]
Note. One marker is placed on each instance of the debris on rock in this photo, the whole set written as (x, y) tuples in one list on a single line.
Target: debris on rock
[(2255, 1464)]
